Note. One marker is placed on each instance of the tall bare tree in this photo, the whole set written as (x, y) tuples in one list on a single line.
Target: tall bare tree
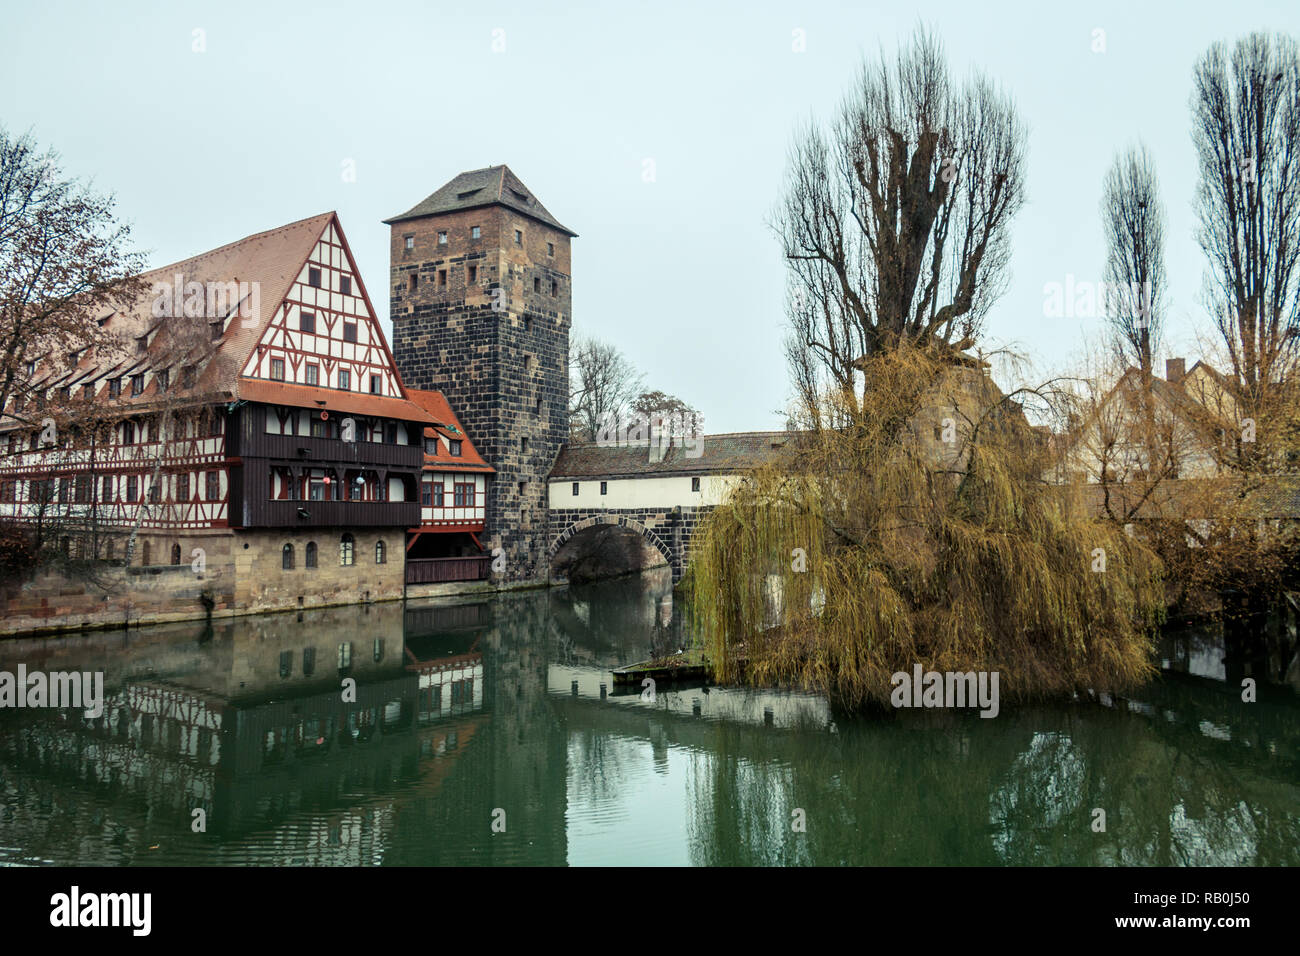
[(602, 384), (63, 262), (1133, 217), (896, 220), (1246, 128)]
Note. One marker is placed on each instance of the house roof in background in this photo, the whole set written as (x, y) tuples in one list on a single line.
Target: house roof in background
[(727, 454)]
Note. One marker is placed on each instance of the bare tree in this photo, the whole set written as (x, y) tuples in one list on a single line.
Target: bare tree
[(896, 220), (1134, 221), (602, 384), (63, 263), (1246, 128)]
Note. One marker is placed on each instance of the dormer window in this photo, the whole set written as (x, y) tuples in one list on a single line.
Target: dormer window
[(142, 343), (164, 379), (187, 376), (88, 391), (114, 387), (137, 384), (453, 447)]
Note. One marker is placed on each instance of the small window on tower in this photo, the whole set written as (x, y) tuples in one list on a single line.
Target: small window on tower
[(442, 238), (313, 277), (442, 278), (555, 288), (474, 232), (411, 282), (575, 489), (519, 237), (307, 322), (528, 363), (345, 285), (550, 248), (410, 243), (604, 487), (471, 274), (523, 443), (528, 323)]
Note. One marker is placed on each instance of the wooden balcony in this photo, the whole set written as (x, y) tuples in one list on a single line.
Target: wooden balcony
[(330, 451), (281, 513), (443, 570)]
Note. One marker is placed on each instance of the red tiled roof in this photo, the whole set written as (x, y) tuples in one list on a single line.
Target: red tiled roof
[(330, 399), (436, 405)]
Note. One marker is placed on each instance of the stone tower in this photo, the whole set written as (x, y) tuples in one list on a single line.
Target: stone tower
[(481, 308)]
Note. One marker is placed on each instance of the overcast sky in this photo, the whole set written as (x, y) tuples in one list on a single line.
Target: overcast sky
[(682, 273)]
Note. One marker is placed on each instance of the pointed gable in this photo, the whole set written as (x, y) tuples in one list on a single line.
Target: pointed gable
[(324, 332)]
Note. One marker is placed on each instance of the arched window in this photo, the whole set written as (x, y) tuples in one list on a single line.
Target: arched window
[(311, 554), (380, 555), (286, 557), (346, 557), (176, 553)]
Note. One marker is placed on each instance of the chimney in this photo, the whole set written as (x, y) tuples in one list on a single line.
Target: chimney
[(1175, 369)]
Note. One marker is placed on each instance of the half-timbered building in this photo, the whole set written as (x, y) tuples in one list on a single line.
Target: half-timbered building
[(244, 418)]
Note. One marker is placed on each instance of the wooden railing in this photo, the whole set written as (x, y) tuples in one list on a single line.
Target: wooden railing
[(442, 570)]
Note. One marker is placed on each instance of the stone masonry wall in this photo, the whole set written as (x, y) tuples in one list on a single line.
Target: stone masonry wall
[(501, 359)]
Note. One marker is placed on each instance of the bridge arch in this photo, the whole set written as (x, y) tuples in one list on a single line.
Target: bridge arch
[(628, 522)]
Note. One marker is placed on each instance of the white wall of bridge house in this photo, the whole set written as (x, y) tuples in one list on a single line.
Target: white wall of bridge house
[(652, 494)]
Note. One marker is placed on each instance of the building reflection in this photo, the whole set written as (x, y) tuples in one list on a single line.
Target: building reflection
[(463, 714)]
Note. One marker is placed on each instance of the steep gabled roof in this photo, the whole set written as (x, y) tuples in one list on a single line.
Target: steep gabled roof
[(492, 185), (269, 262)]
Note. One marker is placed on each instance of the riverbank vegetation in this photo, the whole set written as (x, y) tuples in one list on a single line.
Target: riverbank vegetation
[(867, 549)]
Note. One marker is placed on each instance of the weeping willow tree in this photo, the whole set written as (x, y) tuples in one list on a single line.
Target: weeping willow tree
[(926, 535)]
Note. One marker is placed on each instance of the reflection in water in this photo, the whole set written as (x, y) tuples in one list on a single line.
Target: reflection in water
[(504, 710)]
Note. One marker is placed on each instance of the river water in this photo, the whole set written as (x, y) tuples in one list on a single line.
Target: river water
[(490, 732)]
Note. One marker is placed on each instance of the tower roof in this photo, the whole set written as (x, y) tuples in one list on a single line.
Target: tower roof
[(492, 185)]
